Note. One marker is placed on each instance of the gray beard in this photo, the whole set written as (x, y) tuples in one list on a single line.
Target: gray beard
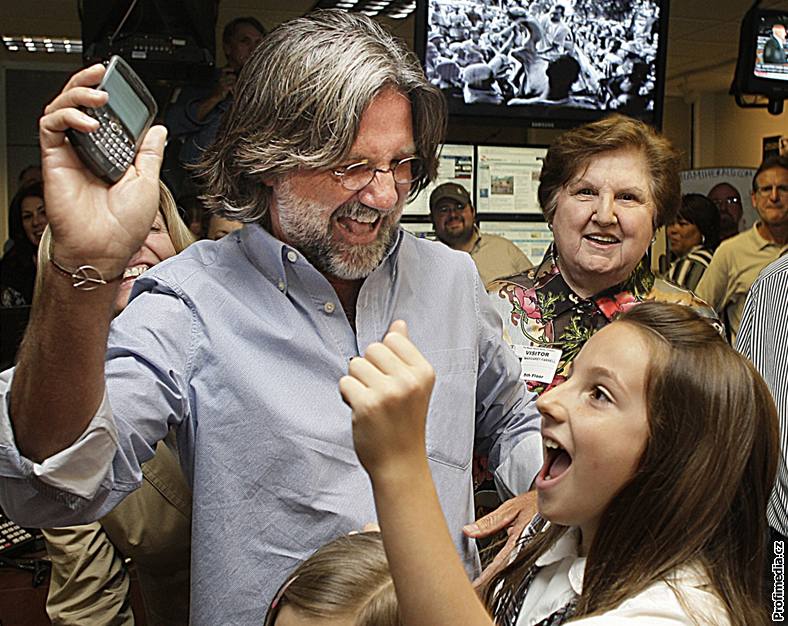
[(348, 262), (310, 233)]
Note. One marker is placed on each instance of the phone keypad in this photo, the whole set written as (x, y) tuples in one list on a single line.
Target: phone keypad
[(11, 535), (112, 140)]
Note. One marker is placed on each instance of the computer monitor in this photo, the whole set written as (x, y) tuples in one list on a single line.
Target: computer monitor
[(455, 165), (508, 179)]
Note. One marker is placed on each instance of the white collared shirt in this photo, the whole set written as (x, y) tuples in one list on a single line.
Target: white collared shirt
[(560, 579)]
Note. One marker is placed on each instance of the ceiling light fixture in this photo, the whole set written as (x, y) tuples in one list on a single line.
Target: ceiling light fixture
[(395, 9), (17, 43)]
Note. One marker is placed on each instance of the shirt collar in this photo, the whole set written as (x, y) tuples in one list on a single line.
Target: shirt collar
[(761, 241), (638, 283), (566, 548), (265, 252), (476, 236), (269, 255), (392, 257)]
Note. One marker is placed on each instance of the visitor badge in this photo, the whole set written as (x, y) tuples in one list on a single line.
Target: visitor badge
[(539, 364)]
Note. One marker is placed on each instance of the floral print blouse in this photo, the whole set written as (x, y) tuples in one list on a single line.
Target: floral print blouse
[(539, 309)]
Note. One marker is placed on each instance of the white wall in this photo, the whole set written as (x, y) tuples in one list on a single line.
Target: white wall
[(728, 135), (677, 126)]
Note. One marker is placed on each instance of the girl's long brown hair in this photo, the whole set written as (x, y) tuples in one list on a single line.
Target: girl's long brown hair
[(699, 495)]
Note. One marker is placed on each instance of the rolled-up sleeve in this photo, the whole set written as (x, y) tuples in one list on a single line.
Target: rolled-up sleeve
[(148, 361), (32, 493)]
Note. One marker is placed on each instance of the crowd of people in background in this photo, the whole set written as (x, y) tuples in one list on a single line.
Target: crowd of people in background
[(192, 121), (710, 256), (27, 220), (578, 53), (635, 450)]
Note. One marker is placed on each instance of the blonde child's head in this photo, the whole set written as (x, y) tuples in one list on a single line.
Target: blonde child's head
[(344, 583)]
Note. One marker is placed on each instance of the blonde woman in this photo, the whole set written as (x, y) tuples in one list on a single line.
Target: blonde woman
[(152, 526)]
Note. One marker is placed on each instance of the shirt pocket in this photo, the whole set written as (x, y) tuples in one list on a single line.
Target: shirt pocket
[(451, 419)]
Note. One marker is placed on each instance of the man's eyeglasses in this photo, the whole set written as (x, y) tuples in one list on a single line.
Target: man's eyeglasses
[(356, 176), (767, 190)]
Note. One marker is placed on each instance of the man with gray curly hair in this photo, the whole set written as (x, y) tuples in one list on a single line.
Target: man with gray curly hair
[(239, 344)]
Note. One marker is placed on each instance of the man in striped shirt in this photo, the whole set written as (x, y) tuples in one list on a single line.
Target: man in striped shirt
[(763, 338)]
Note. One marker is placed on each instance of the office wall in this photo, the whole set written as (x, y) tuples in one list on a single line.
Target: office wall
[(727, 135), (677, 126)]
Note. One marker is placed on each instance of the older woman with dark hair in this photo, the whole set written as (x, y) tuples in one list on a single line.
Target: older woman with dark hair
[(604, 189), (27, 220), (694, 236)]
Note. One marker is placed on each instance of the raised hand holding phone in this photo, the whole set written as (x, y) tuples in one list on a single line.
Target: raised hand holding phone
[(123, 121), (92, 222), (59, 379), (389, 391)]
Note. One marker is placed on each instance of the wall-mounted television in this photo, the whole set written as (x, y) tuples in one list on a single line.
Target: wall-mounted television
[(762, 65), (172, 42), (550, 63)]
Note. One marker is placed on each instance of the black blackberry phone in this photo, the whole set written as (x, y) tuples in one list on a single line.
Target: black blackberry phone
[(109, 150)]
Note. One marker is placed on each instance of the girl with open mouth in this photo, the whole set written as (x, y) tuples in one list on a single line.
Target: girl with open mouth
[(658, 464)]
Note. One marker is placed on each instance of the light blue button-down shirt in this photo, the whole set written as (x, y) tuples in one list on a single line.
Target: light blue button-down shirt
[(240, 345)]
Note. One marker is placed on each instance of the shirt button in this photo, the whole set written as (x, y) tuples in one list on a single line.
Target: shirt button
[(281, 285), (292, 256), (329, 307)]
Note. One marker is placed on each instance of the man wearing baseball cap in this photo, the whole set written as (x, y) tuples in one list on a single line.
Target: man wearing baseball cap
[(452, 214)]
